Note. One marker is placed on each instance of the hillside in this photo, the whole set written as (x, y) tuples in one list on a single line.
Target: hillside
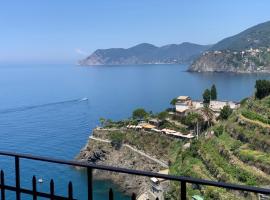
[(247, 51), (237, 152), (254, 37), (146, 54)]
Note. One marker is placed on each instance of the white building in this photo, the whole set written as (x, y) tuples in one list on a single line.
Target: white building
[(183, 104), (216, 106)]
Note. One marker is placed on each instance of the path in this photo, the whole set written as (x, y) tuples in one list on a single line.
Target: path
[(133, 149)]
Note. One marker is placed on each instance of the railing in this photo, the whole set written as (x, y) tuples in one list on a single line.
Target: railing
[(34, 193)]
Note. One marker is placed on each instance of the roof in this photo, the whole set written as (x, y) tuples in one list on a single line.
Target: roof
[(146, 125), (183, 98), (154, 179), (197, 197)]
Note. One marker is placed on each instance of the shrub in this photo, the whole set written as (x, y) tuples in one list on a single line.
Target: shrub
[(117, 139), (225, 112), (139, 114), (219, 130)]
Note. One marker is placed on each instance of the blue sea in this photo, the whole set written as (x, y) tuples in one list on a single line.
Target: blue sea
[(50, 110)]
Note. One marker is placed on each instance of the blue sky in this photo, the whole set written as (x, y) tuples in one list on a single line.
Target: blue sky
[(62, 31)]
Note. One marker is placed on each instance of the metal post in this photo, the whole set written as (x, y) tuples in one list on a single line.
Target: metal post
[(70, 191), (183, 190), (111, 194), (90, 182), (133, 197), (17, 178), (3, 185), (34, 185), (52, 189)]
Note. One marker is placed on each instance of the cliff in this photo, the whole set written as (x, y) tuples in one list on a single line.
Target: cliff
[(98, 151), (248, 61)]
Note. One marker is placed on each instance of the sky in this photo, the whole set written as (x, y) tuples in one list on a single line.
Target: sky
[(63, 31)]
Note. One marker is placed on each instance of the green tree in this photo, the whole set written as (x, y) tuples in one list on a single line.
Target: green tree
[(213, 92), (139, 114), (206, 96), (194, 120), (173, 101), (225, 112), (262, 88), (162, 115), (208, 113)]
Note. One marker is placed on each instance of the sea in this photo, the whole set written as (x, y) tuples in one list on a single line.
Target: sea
[(50, 110)]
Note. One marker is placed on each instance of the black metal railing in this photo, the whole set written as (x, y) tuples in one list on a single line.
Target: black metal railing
[(90, 167)]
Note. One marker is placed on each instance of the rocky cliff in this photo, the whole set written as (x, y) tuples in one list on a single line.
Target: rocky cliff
[(98, 152), (248, 52)]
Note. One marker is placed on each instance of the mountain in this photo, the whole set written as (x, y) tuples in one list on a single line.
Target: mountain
[(248, 51), (146, 54), (254, 37)]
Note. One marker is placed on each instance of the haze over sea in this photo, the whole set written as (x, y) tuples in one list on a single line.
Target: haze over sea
[(50, 110)]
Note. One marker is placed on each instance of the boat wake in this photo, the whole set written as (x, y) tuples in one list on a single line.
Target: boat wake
[(24, 108)]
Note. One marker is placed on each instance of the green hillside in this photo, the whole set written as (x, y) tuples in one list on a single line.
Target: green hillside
[(237, 152), (254, 37)]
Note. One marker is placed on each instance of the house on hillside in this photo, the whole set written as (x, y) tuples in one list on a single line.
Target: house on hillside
[(183, 104)]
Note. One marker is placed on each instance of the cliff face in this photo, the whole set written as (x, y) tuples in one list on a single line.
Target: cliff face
[(146, 54), (248, 61), (103, 153), (248, 52)]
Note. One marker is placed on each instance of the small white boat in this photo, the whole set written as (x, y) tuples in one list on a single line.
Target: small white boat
[(40, 180)]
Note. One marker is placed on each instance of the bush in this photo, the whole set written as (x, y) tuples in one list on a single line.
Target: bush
[(117, 139), (219, 130), (139, 114), (225, 112)]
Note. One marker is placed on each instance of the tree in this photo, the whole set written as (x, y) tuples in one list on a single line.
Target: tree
[(208, 113), (162, 115), (193, 120), (173, 101), (225, 112), (262, 88), (139, 114), (206, 96), (213, 92)]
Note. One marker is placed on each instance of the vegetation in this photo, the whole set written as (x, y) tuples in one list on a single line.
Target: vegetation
[(237, 152), (206, 96), (213, 92), (234, 149), (139, 114), (162, 115), (173, 101), (225, 112), (262, 88)]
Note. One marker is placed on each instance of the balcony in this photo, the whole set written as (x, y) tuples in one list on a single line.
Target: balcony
[(34, 193)]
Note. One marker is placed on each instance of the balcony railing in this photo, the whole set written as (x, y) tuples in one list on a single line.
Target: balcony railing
[(90, 167)]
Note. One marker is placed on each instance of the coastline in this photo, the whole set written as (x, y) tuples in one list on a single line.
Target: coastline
[(103, 153)]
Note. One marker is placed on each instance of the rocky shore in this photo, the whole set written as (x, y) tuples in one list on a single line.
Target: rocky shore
[(103, 153)]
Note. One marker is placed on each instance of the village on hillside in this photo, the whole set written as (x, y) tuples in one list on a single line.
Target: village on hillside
[(185, 121), (183, 106)]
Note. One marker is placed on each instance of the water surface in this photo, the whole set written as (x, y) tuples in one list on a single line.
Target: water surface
[(44, 111)]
